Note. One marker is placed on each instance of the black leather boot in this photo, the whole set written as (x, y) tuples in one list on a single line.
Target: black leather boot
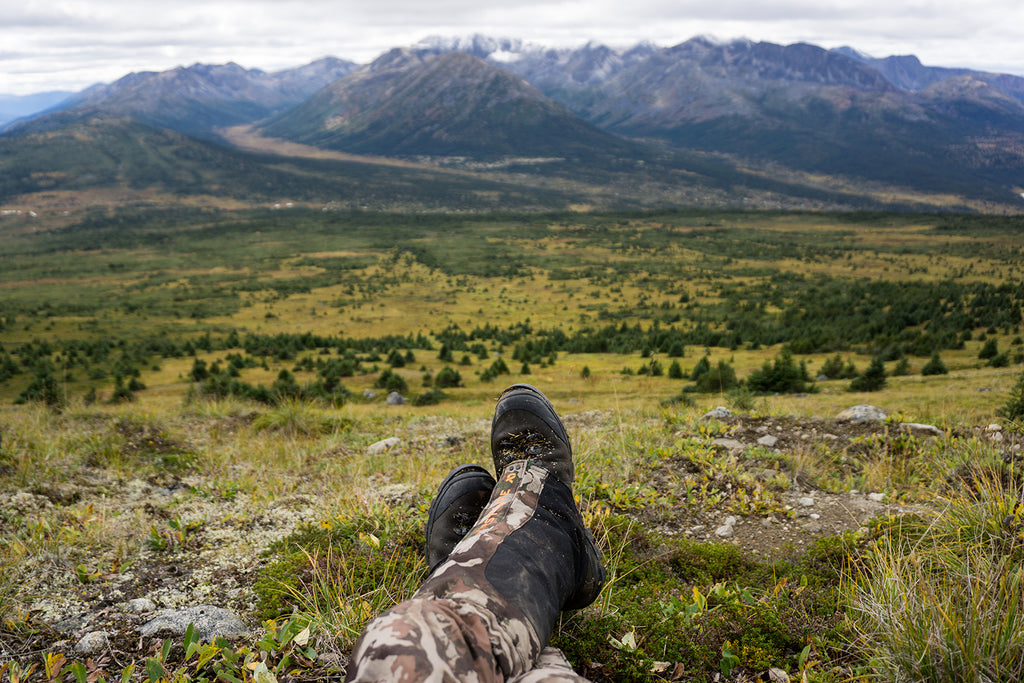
[(551, 562), (455, 509)]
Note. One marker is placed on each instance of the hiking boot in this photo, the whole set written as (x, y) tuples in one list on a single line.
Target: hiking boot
[(455, 509), (526, 427)]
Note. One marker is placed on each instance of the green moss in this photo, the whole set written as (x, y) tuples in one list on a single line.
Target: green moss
[(682, 601)]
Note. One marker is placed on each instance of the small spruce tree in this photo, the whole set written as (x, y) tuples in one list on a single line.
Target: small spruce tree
[(1013, 410), (989, 350), (675, 371), (447, 378), (935, 366), (872, 379)]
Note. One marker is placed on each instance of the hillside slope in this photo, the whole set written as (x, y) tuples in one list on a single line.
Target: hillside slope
[(451, 104), (122, 154), (194, 100)]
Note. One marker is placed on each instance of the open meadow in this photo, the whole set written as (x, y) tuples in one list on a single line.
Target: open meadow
[(194, 404)]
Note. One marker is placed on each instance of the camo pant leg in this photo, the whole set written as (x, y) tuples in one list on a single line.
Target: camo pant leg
[(551, 667), (457, 627)]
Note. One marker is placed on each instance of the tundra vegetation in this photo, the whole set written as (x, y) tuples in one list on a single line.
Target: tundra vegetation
[(189, 396)]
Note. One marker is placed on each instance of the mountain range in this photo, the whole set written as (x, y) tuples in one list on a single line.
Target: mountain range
[(740, 119)]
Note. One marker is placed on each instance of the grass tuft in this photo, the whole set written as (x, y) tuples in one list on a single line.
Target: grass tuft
[(941, 600)]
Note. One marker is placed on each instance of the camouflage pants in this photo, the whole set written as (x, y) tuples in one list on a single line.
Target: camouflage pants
[(457, 626)]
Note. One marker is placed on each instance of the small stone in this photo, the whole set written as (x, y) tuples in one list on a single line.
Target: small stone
[(877, 497), (395, 399), (994, 428), (369, 394), (140, 605), (922, 429), (76, 622), (718, 413), (777, 676), (812, 527), (383, 445), (997, 437), (729, 444), (92, 643), (724, 531), (210, 622), (730, 521), (768, 441), (815, 515), (862, 413), (806, 502)]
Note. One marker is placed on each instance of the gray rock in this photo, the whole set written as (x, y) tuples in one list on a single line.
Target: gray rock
[(813, 527), (768, 441), (919, 429), (729, 444), (719, 413), (395, 399), (140, 605), (92, 642), (994, 428), (777, 676), (806, 502), (369, 394), (876, 497), (726, 530), (76, 622), (383, 445), (210, 621), (862, 413)]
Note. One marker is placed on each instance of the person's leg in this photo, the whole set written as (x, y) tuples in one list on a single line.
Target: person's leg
[(550, 667), (487, 612)]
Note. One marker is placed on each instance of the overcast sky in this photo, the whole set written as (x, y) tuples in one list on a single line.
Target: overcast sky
[(70, 44)]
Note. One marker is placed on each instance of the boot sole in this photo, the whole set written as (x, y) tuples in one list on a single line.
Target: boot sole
[(469, 478)]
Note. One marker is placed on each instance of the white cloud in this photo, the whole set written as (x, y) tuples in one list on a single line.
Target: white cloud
[(73, 43)]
